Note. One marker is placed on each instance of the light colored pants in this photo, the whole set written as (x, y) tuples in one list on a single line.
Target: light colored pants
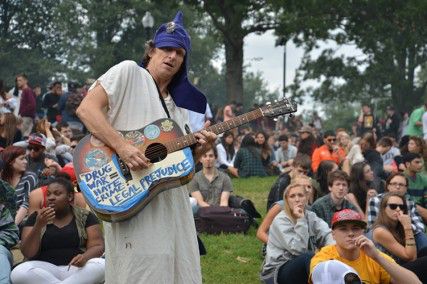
[(5, 265), (27, 126), (41, 272)]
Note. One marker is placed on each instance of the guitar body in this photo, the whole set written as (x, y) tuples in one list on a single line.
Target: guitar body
[(112, 191)]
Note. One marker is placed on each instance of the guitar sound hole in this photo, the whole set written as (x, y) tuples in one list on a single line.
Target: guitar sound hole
[(156, 152)]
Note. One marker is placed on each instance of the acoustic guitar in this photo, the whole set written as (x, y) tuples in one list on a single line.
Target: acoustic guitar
[(116, 193)]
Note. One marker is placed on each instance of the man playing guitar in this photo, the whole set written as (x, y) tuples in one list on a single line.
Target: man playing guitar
[(158, 244)]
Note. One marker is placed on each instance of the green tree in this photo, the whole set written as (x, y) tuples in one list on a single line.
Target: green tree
[(234, 20), (30, 40), (391, 35)]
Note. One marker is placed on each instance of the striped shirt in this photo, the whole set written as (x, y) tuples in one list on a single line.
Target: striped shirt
[(26, 184)]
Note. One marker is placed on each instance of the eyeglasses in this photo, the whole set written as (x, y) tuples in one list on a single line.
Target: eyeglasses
[(32, 148), (331, 139), (393, 206), (397, 184)]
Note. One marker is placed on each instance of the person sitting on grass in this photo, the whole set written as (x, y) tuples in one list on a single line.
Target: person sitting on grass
[(357, 251), (38, 197), (300, 166), (248, 160), (294, 236), (302, 180), (326, 206), (398, 183), (212, 187), (392, 234), (62, 242), (15, 172)]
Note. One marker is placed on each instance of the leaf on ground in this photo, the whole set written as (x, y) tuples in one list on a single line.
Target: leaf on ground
[(242, 259)]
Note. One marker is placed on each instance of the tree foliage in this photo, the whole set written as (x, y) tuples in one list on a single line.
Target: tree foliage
[(391, 35), (234, 20)]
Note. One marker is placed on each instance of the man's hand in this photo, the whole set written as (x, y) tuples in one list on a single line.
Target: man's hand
[(367, 246), (204, 140), (132, 156)]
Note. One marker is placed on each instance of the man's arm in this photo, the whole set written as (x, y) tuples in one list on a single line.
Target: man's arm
[(397, 273), (225, 196), (91, 114), (198, 196)]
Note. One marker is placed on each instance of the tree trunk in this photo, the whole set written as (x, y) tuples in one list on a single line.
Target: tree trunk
[(234, 69)]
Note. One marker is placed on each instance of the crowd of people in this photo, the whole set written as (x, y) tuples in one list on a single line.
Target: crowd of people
[(350, 202)]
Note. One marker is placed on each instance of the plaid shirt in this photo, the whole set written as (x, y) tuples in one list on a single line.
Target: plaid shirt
[(374, 208), (249, 164), (8, 229), (325, 208)]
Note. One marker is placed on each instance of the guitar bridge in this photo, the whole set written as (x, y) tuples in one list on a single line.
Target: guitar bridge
[(125, 170)]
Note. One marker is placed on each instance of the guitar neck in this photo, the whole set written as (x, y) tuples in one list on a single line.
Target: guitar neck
[(189, 139)]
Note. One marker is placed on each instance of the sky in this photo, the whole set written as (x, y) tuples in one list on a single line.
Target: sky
[(261, 54)]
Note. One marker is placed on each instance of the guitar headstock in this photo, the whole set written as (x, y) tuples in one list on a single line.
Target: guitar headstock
[(284, 106)]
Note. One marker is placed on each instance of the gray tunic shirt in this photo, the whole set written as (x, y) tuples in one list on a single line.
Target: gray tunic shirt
[(158, 244)]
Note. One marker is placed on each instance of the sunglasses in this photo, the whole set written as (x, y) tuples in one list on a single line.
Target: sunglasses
[(331, 139), (32, 148), (393, 206)]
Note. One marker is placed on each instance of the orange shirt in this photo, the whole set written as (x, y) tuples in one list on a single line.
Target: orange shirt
[(323, 153), (368, 269)]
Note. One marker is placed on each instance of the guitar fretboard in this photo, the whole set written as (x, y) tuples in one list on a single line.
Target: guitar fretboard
[(190, 139)]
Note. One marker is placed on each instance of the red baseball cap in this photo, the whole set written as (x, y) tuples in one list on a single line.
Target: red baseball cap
[(347, 216)]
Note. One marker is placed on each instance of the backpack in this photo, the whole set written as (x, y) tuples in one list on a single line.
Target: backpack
[(218, 219), (276, 191), (73, 102)]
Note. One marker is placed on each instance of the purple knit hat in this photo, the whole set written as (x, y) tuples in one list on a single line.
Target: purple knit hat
[(184, 94)]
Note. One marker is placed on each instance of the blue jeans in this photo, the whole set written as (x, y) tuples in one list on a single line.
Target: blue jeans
[(420, 240), (6, 262), (294, 271)]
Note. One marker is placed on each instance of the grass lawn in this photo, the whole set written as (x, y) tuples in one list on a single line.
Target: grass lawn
[(236, 258)]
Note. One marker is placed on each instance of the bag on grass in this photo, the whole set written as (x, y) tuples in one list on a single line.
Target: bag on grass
[(217, 219), (236, 201)]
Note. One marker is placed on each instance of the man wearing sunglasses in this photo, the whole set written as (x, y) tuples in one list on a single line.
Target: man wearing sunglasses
[(328, 151), (39, 162), (355, 250)]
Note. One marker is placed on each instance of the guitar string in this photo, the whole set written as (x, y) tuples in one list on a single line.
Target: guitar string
[(159, 149)]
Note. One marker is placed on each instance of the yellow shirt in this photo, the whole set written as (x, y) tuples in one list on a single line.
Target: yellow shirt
[(368, 269)]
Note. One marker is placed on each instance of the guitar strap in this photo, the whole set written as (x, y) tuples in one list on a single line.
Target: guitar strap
[(160, 96)]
